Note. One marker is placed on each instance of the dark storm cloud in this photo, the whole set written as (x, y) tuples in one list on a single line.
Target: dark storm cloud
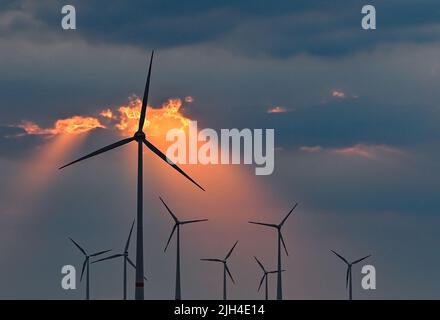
[(253, 28)]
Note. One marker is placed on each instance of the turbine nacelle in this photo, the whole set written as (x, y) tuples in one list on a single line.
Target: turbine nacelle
[(139, 136)]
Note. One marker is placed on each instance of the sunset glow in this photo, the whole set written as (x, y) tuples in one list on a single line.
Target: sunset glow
[(73, 125), (159, 120), (277, 109)]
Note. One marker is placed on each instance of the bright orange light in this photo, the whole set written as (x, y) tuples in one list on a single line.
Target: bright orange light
[(73, 125), (159, 120), (107, 113), (38, 172)]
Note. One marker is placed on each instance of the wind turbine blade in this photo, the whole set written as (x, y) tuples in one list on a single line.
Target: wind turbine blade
[(348, 277), (79, 247), (102, 150), (284, 244), (260, 264), (99, 253), (166, 159), (193, 221), (230, 251), (171, 235), (359, 260), (127, 244), (108, 258), (212, 260), (275, 271), (169, 210), (83, 268), (229, 273), (145, 99), (131, 262), (261, 282), (134, 266), (264, 224), (340, 257), (287, 216)]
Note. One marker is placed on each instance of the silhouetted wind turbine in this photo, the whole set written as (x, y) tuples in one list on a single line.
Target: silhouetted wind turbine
[(126, 260), (177, 224), (86, 263), (141, 139), (265, 277), (280, 240), (225, 269), (349, 280)]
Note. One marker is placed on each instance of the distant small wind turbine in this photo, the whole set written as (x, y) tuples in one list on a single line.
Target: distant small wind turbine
[(265, 278), (349, 280), (140, 138), (280, 240), (177, 224), (86, 263), (225, 269), (126, 259)]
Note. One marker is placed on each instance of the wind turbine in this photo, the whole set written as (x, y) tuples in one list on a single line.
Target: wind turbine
[(86, 263), (225, 269), (126, 260), (349, 280), (140, 138), (177, 224), (280, 240), (265, 278)]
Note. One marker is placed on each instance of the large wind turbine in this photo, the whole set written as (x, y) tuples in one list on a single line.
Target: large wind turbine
[(86, 263), (177, 224), (280, 240), (225, 269), (140, 138), (265, 278), (126, 260), (349, 279)]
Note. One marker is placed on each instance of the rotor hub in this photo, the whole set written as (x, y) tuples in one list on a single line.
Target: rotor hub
[(139, 136)]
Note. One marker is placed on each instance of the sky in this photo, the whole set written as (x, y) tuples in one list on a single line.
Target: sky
[(355, 115)]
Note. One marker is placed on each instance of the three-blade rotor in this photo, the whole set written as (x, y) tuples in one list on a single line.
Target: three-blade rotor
[(278, 227), (224, 261), (139, 136), (177, 222), (349, 265), (86, 256)]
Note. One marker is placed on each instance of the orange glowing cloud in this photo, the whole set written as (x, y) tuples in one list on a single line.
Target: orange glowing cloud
[(123, 119), (107, 113), (159, 120), (277, 109), (73, 125), (338, 94)]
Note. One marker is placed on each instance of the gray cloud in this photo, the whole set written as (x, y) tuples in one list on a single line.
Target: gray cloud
[(253, 28)]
